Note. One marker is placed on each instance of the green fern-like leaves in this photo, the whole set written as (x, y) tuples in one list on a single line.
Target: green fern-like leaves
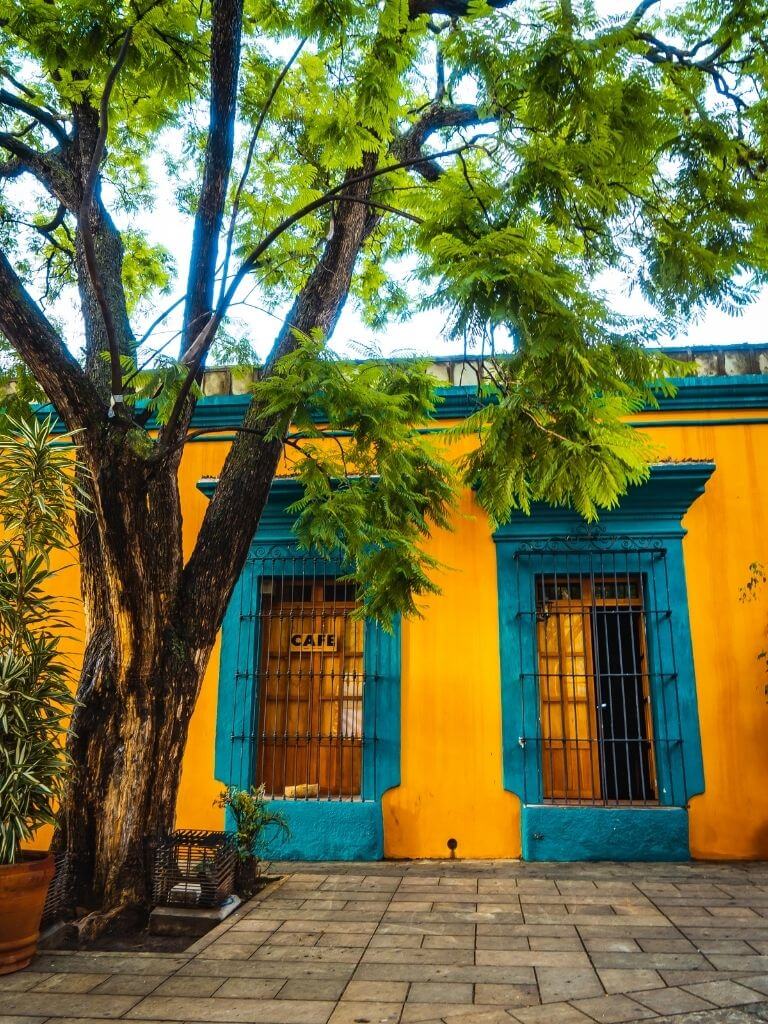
[(37, 496), (373, 485)]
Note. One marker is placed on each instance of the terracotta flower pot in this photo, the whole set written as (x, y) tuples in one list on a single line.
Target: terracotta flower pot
[(23, 887)]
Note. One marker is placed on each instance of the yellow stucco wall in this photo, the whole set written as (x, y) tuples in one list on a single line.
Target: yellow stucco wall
[(451, 708), (728, 529)]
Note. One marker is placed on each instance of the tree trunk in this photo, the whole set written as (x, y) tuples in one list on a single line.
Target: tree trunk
[(151, 624), (139, 678)]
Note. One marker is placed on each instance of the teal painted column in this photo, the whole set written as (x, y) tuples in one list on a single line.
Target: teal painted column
[(236, 710)]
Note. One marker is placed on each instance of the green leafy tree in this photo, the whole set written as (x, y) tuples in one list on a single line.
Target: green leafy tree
[(36, 496), (508, 152)]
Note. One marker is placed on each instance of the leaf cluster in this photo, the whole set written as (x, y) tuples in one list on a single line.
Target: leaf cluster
[(255, 822), (374, 485)]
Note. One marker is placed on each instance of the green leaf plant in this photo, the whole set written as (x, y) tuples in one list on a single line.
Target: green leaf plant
[(36, 488)]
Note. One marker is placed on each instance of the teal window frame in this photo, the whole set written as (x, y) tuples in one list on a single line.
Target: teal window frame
[(324, 829), (650, 516)]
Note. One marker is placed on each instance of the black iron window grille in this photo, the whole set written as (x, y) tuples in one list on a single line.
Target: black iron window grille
[(599, 624), (311, 686)]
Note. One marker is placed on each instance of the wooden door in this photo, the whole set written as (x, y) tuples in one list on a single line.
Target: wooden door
[(597, 742), (311, 691), (570, 762)]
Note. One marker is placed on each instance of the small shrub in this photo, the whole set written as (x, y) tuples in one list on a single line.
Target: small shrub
[(256, 828)]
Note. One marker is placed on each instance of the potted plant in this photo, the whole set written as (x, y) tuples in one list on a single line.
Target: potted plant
[(36, 501), (255, 826)]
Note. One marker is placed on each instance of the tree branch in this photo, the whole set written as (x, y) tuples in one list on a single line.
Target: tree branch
[(198, 350), (384, 207), (436, 116), (48, 168), (661, 52), (86, 232), (249, 159), (226, 28), (451, 8), (43, 117), (31, 334), (330, 196), (639, 13)]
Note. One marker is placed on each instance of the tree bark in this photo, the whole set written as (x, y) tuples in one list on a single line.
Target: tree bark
[(138, 683), (151, 624)]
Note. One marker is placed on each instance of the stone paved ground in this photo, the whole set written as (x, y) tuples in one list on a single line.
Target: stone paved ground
[(459, 942)]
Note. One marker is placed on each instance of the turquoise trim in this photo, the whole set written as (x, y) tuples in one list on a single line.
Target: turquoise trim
[(729, 421), (319, 829), (746, 391), (605, 833), (749, 391), (742, 391), (650, 515), (328, 830)]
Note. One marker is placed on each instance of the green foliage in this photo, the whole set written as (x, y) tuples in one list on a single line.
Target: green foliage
[(147, 269), (256, 825), (554, 428), (373, 484), (156, 387), (36, 501)]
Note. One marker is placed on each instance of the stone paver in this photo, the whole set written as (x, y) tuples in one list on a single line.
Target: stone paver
[(442, 943)]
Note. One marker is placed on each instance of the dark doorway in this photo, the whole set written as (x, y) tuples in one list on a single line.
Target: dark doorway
[(622, 710)]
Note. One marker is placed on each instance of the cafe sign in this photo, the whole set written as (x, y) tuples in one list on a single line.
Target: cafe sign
[(314, 642)]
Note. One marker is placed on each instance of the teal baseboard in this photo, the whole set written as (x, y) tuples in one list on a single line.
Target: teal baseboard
[(604, 833), (328, 830)]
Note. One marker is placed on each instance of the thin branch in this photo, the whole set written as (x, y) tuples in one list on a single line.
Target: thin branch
[(196, 353), (471, 187), (661, 52), (385, 207), (158, 320), (332, 195), (84, 221), (157, 351), (249, 159), (43, 117), (639, 13)]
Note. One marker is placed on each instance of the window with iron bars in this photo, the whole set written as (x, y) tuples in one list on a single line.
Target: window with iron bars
[(311, 687), (594, 697), (596, 719)]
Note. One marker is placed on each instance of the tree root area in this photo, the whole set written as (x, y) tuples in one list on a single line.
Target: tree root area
[(120, 931)]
